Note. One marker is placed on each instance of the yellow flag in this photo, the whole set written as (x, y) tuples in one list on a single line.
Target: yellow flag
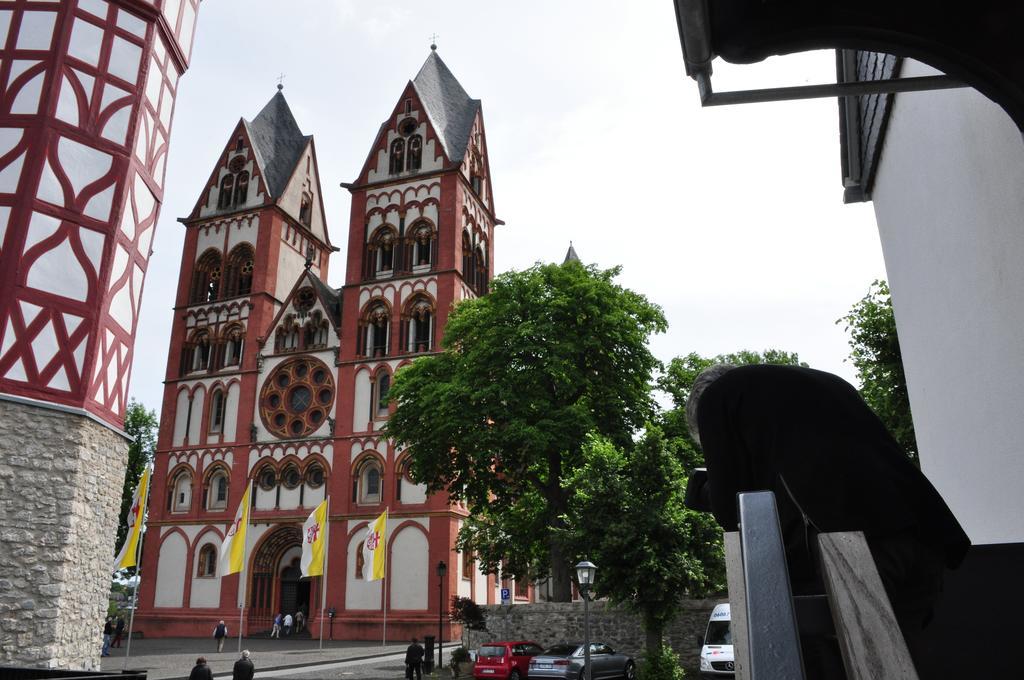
[(314, 542), (137, 513), (232, 550), (375, 547)]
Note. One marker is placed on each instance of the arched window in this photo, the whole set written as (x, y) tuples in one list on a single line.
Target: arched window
[(267, 478), (224, 197), (360, 561), (207, 561), (314, 332), (217, 490), (181, 492), (242, 188), (397, 157), (422, 244), (206, 277), (217, 404), (233, 346), (238, 273), (306, 209), (415, 152), (383, 249), (367, 482), (467, 258), (379, 401), (200, 351), (418, 325), (374, 338), (467, 565), (314, 476), (480, 271)]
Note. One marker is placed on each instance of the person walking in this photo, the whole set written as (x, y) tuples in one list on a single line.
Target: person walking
[(220, 633), (244, 668), (287, 625), (118, 631), (201, 671), (108, 630), (414, 660), (300, 621), (275, 632)]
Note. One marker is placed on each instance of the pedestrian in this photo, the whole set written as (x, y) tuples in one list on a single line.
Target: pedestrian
[(244, 668), (118, 631), (108, 630), (809, 437), (219, 634), (300, 621), (275, 632), (201, 671), (414, 660), (287, 625)]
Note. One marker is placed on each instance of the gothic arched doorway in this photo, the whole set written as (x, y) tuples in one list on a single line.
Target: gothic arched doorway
[(276, 584)]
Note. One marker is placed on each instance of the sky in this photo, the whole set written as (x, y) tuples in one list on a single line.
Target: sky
[(729, 218)]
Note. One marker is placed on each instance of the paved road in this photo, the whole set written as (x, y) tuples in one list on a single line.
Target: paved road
[(382, 668)]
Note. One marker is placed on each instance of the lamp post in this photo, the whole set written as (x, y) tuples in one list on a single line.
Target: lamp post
[(585, 572), (442, 569)]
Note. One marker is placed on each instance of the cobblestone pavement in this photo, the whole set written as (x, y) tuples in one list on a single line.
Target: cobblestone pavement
[(380, 668), (172, 658)]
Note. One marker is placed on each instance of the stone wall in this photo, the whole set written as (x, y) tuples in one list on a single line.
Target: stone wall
[(61, 476), (551, 622)]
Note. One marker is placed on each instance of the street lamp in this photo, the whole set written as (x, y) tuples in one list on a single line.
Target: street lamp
[(442, 569), (585, 572)]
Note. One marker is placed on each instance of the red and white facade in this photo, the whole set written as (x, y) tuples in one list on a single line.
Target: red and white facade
[(87, 91), (274, 379)]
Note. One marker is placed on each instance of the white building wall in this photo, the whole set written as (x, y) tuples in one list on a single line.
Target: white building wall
[(170, 572), (409, 570), (950, 208), (180, 418), (205, 590), (360, 593)]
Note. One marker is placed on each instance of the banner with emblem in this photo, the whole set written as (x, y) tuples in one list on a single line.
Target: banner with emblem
[(314, 542), (375, 547), (136, 515), (232, 550)]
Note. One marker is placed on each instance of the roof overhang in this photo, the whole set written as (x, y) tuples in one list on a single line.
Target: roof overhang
[(977, 44)]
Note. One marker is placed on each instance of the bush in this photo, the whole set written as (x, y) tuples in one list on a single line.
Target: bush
[(662, 665), (468, 613)]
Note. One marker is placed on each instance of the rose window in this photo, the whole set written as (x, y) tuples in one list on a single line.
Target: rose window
[(297, 397)]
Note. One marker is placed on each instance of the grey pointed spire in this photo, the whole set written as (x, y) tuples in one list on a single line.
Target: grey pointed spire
[(450, 109), (278, 142), (570, 255)]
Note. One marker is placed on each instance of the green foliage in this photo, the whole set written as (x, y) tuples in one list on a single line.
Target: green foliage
[(875, 351), (140, 425), (662, 664), (628, 517), (499, 418), (468, 613), (458, 655)]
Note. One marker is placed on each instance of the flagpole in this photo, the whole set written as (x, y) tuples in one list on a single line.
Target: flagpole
[(138, 579), (241, 575), (384, 635), (323, 576)]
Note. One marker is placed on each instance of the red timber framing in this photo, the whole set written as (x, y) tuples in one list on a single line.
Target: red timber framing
[(87, 95)]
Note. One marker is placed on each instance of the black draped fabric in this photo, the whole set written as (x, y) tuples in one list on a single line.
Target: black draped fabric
[(808, 436)]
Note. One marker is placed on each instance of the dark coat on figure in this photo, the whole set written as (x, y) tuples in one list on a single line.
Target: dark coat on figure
[(243, 670), (414, 654), (772, 427), (200, 672)]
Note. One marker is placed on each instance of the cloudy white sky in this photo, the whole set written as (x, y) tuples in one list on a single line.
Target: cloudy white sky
[(729, 218)]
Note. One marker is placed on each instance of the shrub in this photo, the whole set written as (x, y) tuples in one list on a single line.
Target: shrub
[(468, 613), (662, 665)]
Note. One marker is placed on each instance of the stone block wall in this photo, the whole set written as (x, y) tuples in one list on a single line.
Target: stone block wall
[(551, 622), (61, 476)]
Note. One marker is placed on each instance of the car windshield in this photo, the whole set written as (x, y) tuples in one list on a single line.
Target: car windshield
[(719, 633), (492, 650), (560, 650)]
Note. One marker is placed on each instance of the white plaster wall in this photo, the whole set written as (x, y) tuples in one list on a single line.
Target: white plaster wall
[(209, 238), (361, 401), (170, 571), (314, 497), (291, 198), (231, 413), (195, 429), (481, 585), (409, 570), (413, 493), (289, 498), (465, 584), (265, 500), (205, 590), (180, 418), (290, 266), (949, 206), (359, 593)]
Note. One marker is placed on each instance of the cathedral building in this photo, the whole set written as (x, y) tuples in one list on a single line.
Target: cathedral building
[(279, 381)]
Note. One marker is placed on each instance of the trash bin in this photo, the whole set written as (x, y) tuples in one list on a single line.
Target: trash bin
[(428, 660)]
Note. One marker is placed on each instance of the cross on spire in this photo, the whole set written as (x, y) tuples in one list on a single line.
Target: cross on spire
[(433, 41), (280, 82)]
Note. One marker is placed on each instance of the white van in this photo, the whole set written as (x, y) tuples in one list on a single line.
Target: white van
[(716, 659)]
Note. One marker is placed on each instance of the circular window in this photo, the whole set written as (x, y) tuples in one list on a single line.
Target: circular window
[(407, 127), (237, 163), (296, 397), (291, 477), (315, 476), (267, 479), (305, 298)]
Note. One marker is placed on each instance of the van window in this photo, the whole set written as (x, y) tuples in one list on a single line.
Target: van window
[(492, 650), (719, 633)]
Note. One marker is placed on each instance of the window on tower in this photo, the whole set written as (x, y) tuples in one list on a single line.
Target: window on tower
[(376, 329), (415, 152), (181, 491), (418, 325), (397, 157), (238, 144), (238, 274), (224, 197), (242, 188), (422, 244), (233, 346), (217, 489), (380, 252), (207, 561), (200, 346), (480, 271), (368, 481), (306, 209), (206, 277), (379, 400), (217, 406)]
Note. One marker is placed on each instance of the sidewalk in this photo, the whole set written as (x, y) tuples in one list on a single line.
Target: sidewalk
[(172, 658)]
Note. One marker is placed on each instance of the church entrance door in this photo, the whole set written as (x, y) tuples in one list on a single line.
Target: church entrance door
[(294, 591), (272, 558)]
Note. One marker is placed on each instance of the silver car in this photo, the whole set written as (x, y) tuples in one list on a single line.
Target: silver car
[(565, 661)]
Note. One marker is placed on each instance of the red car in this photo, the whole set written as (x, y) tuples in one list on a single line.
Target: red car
[(505, 660)]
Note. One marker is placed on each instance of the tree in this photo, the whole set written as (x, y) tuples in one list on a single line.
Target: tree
[(875, 352), (500, 417), (140, 425), (628, 516)]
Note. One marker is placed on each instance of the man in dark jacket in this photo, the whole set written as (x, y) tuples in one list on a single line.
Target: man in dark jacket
[(244, 668), (201, 671), (809, 437), (414, 660)]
